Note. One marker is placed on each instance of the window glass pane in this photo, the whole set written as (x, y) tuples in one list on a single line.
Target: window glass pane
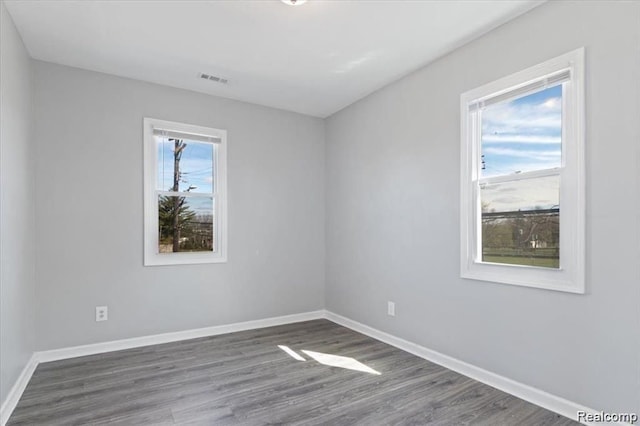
[(185, 165), (186, 224), (521, 222), (522, 134)]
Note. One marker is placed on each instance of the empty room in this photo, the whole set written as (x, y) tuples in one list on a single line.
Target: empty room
[(319, 212)]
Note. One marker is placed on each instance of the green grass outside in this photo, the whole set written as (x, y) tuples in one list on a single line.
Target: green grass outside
[(527, 261)]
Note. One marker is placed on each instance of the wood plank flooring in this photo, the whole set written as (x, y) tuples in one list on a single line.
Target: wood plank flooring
[(245, 378)]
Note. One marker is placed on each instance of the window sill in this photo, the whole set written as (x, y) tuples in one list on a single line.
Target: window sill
[(524, 276), (183, 259)]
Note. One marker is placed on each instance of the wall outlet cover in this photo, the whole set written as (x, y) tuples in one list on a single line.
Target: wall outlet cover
[(102, 313), (391, 309)]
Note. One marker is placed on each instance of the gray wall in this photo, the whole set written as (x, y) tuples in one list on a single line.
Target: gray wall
[(393, 163), (90, 200), (17, 199), (392, 213)]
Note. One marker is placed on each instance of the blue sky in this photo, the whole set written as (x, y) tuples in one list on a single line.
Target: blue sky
[(519, 136), (523, 134), (196, 165)]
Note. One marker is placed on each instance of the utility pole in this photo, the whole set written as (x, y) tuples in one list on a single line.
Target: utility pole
[(178, 147)]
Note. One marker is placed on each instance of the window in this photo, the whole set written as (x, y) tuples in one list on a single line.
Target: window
[(185, 194), (522, 177)]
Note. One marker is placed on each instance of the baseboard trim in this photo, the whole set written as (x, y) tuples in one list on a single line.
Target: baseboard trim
[(10, 402), (520, 390), (116, 345), (136, 342), (528, 393)]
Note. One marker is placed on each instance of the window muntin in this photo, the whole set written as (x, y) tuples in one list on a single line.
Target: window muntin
[(185, 192), (522, 177)]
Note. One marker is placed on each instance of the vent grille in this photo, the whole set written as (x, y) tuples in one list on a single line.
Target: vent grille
[(213, 78)]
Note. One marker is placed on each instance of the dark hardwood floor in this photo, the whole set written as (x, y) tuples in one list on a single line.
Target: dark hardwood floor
[(246, 378)]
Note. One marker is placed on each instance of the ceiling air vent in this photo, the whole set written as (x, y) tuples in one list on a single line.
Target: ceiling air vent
[(213, 78)]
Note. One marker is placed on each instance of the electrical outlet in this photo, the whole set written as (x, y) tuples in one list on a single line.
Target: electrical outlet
[(391, 309), (102, 313)]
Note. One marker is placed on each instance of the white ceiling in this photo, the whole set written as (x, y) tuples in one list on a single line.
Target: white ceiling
[(314, 58)]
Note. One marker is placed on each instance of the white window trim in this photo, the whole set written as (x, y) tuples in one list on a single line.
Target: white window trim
[(151, 255), (570, 277)]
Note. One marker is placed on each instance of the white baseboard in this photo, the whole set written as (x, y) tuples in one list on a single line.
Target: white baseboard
[(136, 342), (116, 345), (528, 393), (10, 402)]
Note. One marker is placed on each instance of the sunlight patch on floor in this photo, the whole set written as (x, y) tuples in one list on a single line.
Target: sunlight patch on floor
[(293, 354), (340, 361)]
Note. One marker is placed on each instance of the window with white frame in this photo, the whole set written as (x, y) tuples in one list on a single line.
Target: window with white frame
[(185, 194), (522, 177)]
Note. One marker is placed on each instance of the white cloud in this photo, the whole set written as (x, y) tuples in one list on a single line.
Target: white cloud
[(526, 120), (554, 104), (515, 138), (521, 153)]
